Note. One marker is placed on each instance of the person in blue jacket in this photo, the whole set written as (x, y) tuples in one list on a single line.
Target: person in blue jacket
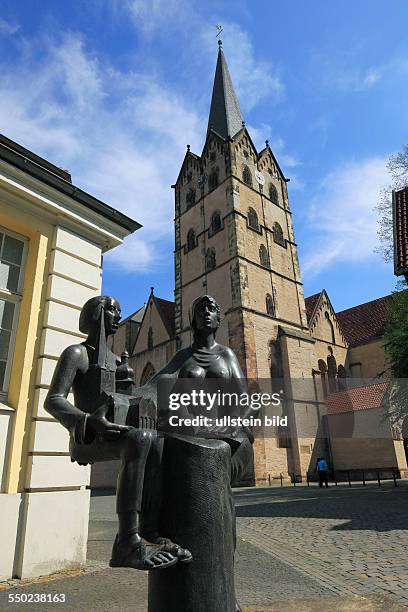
[(322, 471)]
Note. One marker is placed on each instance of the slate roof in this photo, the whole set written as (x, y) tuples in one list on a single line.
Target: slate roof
[(364, 322), (310, 303), (138, 315), (360, 398), (225, 114), (166, 310)]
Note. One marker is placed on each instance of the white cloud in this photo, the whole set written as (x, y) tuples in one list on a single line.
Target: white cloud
[(356, 80), (253, 79), (133, 254), (346, 69), (7, 28), (122, 136), (341, 219), (156, 15)]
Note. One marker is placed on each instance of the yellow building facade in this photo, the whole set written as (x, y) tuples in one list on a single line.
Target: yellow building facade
[(52, 237)]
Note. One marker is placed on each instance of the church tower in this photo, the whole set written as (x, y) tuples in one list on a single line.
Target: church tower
[(234, 240)]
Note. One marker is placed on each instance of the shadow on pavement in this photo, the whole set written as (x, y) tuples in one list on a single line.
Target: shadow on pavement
[(376, 509)]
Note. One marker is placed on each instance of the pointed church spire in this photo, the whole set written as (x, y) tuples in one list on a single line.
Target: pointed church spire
[(225, 115)]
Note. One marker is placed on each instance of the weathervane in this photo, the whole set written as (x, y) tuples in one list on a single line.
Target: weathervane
[(219, 29)]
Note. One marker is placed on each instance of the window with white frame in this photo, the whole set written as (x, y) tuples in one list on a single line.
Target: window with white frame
[(12, 254)]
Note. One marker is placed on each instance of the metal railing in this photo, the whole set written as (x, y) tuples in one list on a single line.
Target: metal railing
[(340, 476)]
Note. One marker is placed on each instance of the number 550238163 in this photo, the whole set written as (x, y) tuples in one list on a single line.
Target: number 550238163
[(36, 597)]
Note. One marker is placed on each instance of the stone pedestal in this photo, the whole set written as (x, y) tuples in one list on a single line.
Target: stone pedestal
[(198, 514)]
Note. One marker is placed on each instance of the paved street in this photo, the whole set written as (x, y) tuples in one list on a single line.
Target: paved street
[(298, 549), (351, 540)]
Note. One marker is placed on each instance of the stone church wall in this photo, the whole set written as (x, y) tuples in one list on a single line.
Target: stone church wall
[(367, 360)]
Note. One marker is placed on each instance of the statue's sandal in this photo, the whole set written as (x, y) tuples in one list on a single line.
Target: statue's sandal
[(183, 555), (141, 556)]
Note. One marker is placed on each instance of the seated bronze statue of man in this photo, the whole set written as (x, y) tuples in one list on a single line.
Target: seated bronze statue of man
[(89, 369)]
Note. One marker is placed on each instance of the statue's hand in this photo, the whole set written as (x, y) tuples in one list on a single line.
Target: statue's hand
[(99, 426)]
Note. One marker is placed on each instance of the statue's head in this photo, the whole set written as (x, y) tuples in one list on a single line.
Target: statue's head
[(204, 314), (92, 311)]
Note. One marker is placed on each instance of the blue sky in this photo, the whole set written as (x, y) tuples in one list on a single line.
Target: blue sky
[(114, 91)]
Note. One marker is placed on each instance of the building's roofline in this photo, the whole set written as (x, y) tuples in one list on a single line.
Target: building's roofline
[(130, 317), (357, 398), (39, 168), (364, 322), (166, 311)]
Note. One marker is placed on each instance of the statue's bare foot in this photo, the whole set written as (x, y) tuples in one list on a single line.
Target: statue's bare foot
[(183, 555), (139, 555)]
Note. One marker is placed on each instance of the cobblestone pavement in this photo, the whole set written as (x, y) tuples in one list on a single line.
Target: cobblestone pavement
[(298, 550), (352, 541)]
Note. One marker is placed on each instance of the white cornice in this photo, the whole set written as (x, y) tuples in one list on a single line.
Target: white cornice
[(45, 201)]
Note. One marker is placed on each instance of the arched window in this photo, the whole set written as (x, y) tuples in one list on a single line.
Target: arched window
[(215, 223), (273, 194), (253, 219), (190, 197), (147, 374), (263, 256), (270, 306), (210, 261), (247, 176), (150, 338), (191, 240), (278, 234), (213, 180), (330, 328)]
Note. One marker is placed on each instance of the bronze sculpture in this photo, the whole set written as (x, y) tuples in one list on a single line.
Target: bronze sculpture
[(200, 586), (207, 359), (89, 368), (106, 424)]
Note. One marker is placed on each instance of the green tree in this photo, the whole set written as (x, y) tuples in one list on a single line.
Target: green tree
[(396, 332), (396, 329), (397, 167)]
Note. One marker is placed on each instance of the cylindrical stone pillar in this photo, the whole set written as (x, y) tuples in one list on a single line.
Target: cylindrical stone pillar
[(198, 514)]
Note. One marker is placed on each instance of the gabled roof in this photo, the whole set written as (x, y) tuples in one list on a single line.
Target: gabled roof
[(189, 155), (138, 315), (360, 398), (311, 303), (225, 115), (166, 311), (267, 150), (364, 322), (314, 305)]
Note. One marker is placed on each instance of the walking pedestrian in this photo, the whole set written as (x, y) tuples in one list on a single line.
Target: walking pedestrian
[(322, 472)]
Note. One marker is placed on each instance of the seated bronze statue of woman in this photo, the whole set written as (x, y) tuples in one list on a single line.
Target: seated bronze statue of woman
[(205, 363), (89, 369), (204, 360)]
